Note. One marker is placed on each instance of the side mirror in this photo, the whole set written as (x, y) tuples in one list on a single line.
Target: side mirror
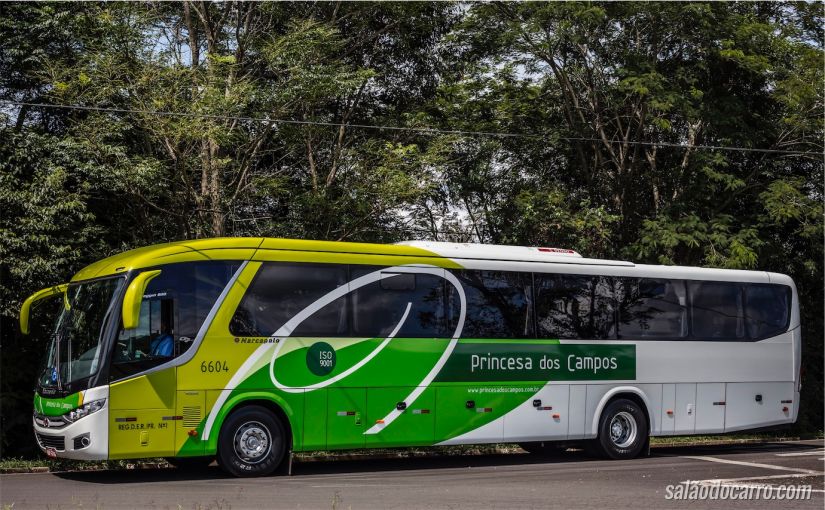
[(25, 310), (134, 295)]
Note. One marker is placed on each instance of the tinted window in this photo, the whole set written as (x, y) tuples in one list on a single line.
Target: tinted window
[(652, 308), (498, 304), (281, 290), (379, 306), (767, 309), (571, 306), (173, 309), (716, 309), (194, 288)]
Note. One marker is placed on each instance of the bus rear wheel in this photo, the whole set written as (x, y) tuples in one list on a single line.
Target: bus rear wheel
[(252, 442), (622, 430)]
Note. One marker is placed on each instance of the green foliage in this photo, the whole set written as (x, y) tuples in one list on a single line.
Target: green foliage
[(48, 226), (708, 243), (549, 218)]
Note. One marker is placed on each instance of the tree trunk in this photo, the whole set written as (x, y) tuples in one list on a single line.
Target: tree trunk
[(215, 191)]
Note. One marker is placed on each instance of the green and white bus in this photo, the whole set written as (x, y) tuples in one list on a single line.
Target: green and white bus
[(247, 349)]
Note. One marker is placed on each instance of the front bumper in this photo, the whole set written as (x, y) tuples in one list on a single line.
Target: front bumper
[(85, 439)]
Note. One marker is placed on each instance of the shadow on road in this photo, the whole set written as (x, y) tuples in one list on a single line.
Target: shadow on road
[(735, 449), (300, 469), (148, 475)]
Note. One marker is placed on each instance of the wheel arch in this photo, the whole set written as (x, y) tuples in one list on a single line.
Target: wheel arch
[(629, 392), (269, 401)]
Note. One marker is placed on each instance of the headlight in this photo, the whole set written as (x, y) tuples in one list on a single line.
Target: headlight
[(84, 410)]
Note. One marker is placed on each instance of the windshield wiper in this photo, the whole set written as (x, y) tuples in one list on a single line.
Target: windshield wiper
[(60, 334), (58, 339)]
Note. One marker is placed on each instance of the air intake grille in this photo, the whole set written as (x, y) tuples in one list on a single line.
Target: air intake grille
[(191, 416), (56, 442), (54, 422)]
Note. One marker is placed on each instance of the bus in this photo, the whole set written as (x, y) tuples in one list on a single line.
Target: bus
[(246, 350)]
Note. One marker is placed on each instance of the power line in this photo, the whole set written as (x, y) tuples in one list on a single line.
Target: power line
[(420, 130)]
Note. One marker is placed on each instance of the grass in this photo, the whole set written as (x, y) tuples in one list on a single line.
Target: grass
[(481, 449), (727, 438), (779, 435), (16, 465), (23, 463)]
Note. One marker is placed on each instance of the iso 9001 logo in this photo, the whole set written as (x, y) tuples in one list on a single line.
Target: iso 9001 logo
[(320, 358)]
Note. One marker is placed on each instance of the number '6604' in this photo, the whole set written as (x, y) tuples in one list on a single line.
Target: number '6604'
[(214, 366)]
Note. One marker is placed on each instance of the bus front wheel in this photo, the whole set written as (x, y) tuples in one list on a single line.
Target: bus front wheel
[(251, 443), (622, 430)]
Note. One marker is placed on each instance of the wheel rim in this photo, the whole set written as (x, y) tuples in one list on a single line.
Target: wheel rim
[(252, 442), (623, 429)]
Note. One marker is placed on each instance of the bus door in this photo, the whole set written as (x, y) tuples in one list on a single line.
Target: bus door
[(142, 407)]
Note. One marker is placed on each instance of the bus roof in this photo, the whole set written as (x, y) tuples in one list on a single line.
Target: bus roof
[(510, 253), (424, 252), (223, 248), (245, 248)]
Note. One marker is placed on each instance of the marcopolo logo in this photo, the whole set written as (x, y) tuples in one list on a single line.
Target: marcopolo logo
[(320, 358)]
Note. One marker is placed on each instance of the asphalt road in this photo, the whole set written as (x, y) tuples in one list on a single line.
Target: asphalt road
[(494, 481)]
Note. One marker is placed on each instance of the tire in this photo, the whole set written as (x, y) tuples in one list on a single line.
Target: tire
[(543, 448), (190, 463), (623, 431), (252, 442)]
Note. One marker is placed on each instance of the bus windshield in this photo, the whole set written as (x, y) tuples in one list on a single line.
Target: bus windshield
[(74, 352)]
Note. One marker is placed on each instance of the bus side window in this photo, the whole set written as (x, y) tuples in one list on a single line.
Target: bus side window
[(378, 307), (282, 290), (575, 306), (499, 304), (767, 309), (149, 344), (716, 310), (652, 308)]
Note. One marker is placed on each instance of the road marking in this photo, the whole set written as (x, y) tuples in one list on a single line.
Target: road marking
[(752, 464), (820, 451), (763, 477)]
